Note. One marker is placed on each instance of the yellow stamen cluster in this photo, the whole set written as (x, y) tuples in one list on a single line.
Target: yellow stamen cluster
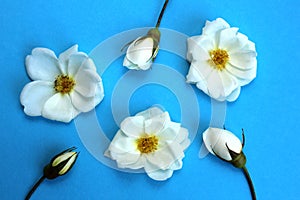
[(219, 58), (64, 84), (147, 144)]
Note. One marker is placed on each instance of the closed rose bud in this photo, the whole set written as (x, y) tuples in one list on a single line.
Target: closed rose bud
[(59, 165), (142, 51), (222, 143), (226, 146)]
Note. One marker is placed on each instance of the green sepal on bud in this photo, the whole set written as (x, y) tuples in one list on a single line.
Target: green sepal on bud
[(155, 34), (238, 159)]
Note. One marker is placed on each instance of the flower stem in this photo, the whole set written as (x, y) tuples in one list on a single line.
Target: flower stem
[(36, 185), (247, 175), (161, 13)]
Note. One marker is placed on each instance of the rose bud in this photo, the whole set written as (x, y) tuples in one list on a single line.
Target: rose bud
[(59, 165), (226, 146), (142, 51)]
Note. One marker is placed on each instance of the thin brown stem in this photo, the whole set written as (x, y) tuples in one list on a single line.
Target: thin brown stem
[(251, 187), (161, 13), (36, 185)]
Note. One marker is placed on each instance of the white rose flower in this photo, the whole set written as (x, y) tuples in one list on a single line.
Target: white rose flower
[(222, 60), (150, 140), (62, 87), (142, 51)]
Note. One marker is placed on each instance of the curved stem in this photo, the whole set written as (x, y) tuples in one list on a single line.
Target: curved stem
[(247, 175), (36, 185), (161, 13)]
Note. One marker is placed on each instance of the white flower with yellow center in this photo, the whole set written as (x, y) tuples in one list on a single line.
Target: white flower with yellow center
[(62, 87), (222, 60), (150, 140)]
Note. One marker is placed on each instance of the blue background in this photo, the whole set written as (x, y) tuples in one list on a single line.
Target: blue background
[(268, 109)]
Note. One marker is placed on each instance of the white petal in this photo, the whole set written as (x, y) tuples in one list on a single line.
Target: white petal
[(218, 138), (234, 95), (202, 85), (170, 132), (198, 48), (99, 93), (89, 64), (215, 87), (77, 61), (204, 44), (177, 165), (182, 135), (146, 66), (221, 84), (123, 144), (229, 82), (128, 159), (158, 175), (194, 75), (166, 156), (243, 45), (133, 126), (135, 165), (140, 51), (243, 60), (212, 27), (130, 65), (62, 158), (68, 166), (82, 103), (156, 124), (249, 46), (238, 43), (34, 95), (199, 71), (85, 104), (123, 150), (64, 57), (127, 63), (150, 113), (228, 39), (87, 82), (42, 64), (182, 138), (59, 107), (244, 76)]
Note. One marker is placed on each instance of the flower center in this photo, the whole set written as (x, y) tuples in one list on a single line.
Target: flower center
[(219, 58), (147, 144), (64, 84)]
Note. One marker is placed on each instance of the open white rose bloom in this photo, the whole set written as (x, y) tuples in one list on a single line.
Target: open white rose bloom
[(216, 139), (150, 140), (62, 87), (222, 60)]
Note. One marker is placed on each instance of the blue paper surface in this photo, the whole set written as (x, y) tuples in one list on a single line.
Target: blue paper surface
[(268, 108)]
